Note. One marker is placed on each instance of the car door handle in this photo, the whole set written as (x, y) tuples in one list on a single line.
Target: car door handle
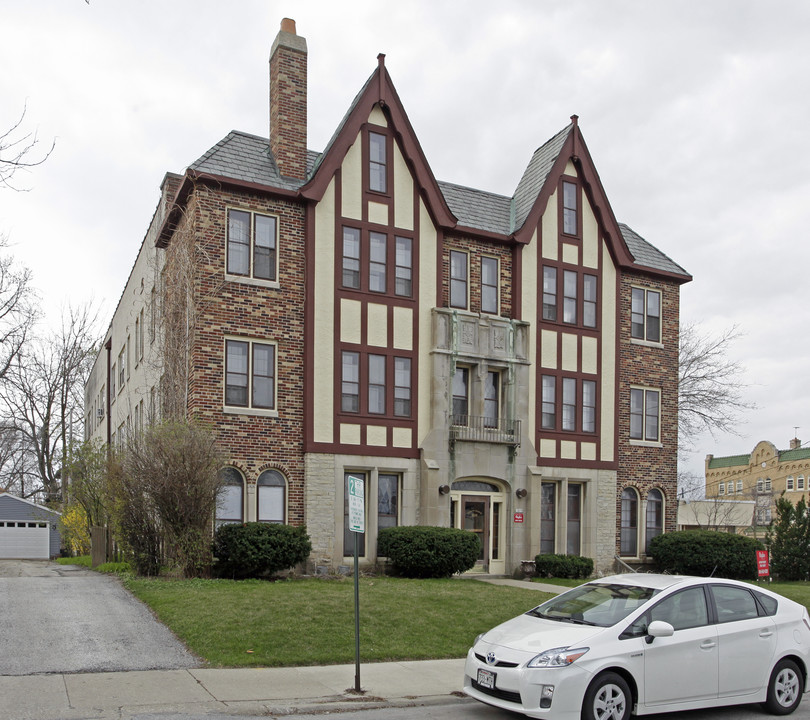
[(766, 633), (707, 644)]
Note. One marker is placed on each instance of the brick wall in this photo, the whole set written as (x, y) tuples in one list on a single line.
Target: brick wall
[(252, 442), (644, 468)]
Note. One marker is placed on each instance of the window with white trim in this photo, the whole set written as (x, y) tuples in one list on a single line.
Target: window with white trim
[(271, 497), (800, 482), (459, 279), (789, 482), (489, 285), (252, 245), (230, 502), (721, 489), (645, 319), (250, 374), (645, 408)]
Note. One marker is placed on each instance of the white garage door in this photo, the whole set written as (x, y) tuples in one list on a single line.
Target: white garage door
[(24, 540)]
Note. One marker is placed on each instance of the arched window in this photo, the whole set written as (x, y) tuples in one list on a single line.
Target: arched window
[(655, 516), (628, 541), (230, 504), (271, 495)]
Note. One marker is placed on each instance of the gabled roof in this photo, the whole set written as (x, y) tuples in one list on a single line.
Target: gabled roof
[(8, 497), (246, 160)]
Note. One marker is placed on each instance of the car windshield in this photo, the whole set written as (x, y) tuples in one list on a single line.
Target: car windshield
[(594, 604)]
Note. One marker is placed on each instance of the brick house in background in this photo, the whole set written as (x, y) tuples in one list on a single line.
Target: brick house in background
[(503, 364)]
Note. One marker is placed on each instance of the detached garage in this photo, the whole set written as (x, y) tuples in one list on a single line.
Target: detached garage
[(27, 531)]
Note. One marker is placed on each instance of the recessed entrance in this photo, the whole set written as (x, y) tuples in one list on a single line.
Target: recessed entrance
[(478, 506)]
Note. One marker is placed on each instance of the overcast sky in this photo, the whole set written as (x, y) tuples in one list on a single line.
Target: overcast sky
[(696, 115)]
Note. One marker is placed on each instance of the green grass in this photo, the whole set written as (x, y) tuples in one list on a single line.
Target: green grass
[(563, 582), (83, 560), (311, 622)]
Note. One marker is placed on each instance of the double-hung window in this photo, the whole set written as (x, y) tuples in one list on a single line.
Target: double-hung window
[(458, 279), (377, 262), (402, 387), (491, 399), (461, 397), (271, 496), (645, 321), (569, 297), (404, 267), (576, 409), (252, 244), (569, 208), (549, 400), (376, 384), (550, 293), (350, 382), (377, 163), (250, 374), (645, 406), (489, 285)]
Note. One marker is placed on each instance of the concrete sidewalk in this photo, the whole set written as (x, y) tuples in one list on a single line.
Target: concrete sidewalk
[(247, 692), (227, 692)]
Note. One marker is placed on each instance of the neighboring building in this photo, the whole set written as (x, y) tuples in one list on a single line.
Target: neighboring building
[(732, 516), (503, 364), (27, 531), (761, 476)]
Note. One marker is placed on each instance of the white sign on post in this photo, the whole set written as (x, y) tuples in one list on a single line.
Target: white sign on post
[(357, 504)]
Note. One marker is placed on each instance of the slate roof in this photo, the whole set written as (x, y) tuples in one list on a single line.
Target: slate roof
[(478, 209), (247, 158), (534, 177), (645, 254)]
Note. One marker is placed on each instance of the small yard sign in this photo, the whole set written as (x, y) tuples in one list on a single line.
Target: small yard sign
[(762, 564)]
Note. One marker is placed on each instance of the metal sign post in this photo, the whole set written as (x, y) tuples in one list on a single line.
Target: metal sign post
[(357, 524)]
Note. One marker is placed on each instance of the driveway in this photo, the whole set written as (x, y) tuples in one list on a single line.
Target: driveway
[(67, 619)]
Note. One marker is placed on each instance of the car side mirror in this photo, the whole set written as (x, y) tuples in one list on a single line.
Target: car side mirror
[(658, 628)]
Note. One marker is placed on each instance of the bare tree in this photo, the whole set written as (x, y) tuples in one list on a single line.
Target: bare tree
[(17, 149), (710, 388), (42, 397), (18, 308)]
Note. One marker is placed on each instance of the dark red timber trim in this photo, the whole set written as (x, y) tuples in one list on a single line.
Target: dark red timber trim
[(517, 282), (380, 90), (309, 329)]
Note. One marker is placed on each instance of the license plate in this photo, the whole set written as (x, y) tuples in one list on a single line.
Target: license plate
[(486, 679)]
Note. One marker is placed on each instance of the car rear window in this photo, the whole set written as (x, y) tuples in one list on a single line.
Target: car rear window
[(768, 603)]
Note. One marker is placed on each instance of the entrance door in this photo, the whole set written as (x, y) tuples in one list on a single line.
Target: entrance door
[(475, 518)]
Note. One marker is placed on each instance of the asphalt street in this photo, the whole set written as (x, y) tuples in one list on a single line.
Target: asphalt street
[(66, 619)]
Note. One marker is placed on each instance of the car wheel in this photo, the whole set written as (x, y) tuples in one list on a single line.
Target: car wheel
[(608, 698), (784, 688)]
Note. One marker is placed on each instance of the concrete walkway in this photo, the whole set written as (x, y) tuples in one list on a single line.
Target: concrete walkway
[(216, 693)]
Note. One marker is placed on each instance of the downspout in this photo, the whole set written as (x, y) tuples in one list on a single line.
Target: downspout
[(108, 348)]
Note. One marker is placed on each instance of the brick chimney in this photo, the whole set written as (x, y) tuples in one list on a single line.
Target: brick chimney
[(795, 443), (288, 101)]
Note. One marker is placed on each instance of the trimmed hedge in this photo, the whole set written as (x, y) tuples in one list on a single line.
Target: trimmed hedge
[(563, 566), (706, 553), (428, 552), (257, 549)]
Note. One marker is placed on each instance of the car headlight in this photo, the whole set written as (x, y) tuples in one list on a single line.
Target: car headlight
[(557, 657)]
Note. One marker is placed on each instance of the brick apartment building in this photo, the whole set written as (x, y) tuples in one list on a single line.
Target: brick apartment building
[(503, 364)]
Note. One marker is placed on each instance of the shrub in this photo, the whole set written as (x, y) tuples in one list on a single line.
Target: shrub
[(428, 552), (706, 553), (258, 549), (563, 566)]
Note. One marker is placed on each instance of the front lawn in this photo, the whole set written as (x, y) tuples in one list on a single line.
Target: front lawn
[(311, 622)]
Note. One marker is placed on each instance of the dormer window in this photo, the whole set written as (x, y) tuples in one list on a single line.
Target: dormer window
[(377, 163)]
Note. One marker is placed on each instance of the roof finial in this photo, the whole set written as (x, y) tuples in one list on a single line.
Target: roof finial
[(575, 120), (381, 59)]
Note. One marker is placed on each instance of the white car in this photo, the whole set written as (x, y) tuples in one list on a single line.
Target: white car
[(645, 644)]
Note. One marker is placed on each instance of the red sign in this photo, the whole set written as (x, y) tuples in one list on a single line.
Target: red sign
[(518, 517), (762, 564)]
